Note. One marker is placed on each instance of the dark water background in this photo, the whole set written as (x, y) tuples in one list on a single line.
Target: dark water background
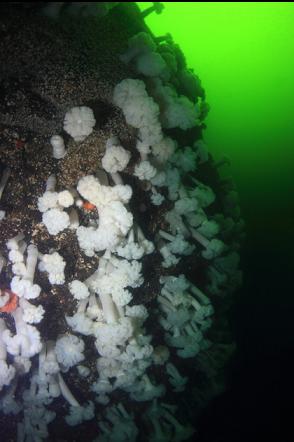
[(244, 55)]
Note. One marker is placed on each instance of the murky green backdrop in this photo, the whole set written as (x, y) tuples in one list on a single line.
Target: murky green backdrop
[(244, 55)]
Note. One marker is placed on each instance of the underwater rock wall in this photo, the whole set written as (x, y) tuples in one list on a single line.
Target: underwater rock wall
[(118, 240)]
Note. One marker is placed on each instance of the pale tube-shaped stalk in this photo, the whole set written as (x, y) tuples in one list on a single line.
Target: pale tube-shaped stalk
[(2, 262), (54, 388), (200, 238), (82, 305), (94, 311), (42, 358), (109, 309), (4, 298), (58, 146), (200, 295), (74, 219), (3, 351), (22, 245), (117, 179), (93, 301), (156, 7), (50, 351), (66, 393), (166, 235), (12, 244), (51, 183), (31, 263), (102, 177), (20, 325), (194, 302), (166, 305), (5, 177)]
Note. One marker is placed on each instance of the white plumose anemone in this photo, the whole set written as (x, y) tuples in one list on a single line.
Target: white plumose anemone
[(79, 122)]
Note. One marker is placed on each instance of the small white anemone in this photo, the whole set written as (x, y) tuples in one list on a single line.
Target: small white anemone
[(79, 122), (69, 350), (65, 198), (115, 159), (55, 221), (145, 171), (58, 146), (79, 290)]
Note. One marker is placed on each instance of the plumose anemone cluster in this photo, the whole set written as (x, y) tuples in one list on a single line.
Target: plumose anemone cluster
[(114, 279)]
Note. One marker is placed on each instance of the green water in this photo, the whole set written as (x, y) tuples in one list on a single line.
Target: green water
[(244, 55)]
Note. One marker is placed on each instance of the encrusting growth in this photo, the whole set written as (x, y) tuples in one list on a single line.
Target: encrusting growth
[(111, 278)]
